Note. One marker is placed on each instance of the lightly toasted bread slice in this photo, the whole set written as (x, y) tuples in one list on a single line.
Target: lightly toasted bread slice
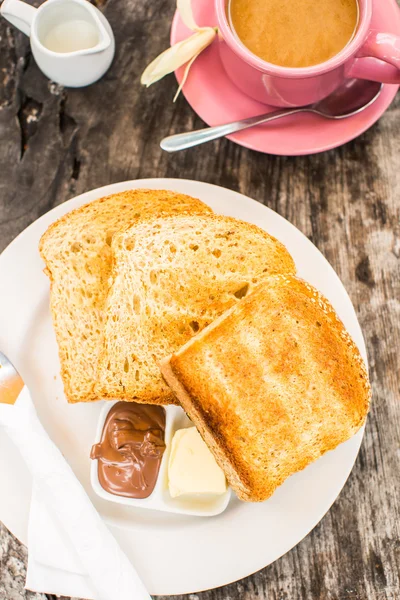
[(77, 253), (171, 278), (271, 385)]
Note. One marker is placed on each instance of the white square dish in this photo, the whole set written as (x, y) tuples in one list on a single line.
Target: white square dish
[(160, 498)]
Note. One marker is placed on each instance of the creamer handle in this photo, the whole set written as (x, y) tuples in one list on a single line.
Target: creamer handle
[(19, 14)]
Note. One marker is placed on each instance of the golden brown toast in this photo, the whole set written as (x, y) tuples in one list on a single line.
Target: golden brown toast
[(171, 278), (271, 385), (77, 253)]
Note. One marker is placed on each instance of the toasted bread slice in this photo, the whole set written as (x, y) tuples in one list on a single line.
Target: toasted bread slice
[(171, 278), (77, 253), (271, 385)]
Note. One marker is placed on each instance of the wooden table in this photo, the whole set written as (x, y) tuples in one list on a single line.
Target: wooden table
[(57, 143)]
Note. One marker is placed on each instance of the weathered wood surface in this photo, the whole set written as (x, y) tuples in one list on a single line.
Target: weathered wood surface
[(55, 144)]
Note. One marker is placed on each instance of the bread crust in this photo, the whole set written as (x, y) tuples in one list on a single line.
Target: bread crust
[(172, 277), (77, 253), (272, 385)]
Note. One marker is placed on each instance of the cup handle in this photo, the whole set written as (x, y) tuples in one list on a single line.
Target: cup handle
[(378, 59)]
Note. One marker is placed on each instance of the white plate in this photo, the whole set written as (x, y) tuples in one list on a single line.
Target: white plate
[(174, 554)]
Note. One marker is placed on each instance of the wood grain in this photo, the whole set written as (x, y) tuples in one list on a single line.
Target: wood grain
[(57, 143)]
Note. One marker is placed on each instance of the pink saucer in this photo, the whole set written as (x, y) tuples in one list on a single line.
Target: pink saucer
[(217, 100)]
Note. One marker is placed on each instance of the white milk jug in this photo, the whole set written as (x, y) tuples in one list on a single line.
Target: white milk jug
[(71, 40)]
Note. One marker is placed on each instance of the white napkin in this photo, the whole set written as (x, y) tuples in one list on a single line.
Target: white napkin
[(71, 550), (54, 566)]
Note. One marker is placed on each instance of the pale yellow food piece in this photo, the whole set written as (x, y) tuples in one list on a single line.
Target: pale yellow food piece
[(271, 385), (77, 253), (192, 469), (171, 278)]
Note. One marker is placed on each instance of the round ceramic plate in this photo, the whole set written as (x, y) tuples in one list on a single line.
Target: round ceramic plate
[(214, 97), (174, 554)]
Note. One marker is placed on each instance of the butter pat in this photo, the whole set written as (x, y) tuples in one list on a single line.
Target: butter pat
[(192, 468)]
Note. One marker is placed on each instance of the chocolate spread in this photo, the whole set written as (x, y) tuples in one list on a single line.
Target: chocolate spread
[(131, 448)]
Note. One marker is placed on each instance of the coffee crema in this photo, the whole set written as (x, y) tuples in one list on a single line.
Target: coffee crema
[(289, 33)]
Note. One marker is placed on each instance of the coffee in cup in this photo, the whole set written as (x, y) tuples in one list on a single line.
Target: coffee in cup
[(289, 33)]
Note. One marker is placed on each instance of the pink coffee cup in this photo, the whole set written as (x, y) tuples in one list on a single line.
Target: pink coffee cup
[(371, 54)]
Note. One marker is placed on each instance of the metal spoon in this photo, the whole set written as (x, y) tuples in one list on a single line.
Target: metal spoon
[(354, 96), (11, 383)]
